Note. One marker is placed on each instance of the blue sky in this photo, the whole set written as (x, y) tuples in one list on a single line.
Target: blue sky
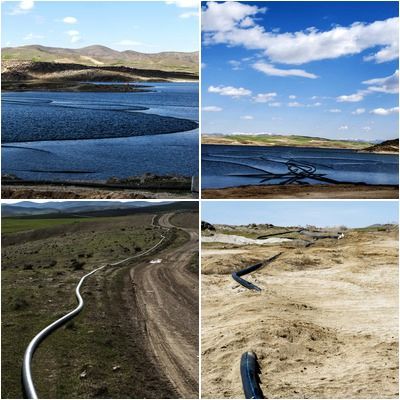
[(144, 26), (310, 68), (289, 213)]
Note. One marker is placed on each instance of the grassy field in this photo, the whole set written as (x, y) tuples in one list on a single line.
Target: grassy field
[(280, 140), (12, 225), (186, 220), (39, 275)]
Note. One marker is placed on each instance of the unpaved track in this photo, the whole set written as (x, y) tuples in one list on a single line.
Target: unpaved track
[(166, 300)]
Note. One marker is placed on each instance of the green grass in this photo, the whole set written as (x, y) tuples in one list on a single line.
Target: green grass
[(298, 140), (38, 283), (13, 225)]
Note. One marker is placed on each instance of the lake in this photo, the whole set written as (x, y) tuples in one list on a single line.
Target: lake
[(97, 135), (228, 166)]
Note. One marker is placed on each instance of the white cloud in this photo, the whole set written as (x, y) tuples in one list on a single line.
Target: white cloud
[(366, 128), (235, 64), (23, 7), (224, 17), (335, 110), (32, 36), (387, 53), (26, 4), (269, 69), (74, 36), (264, 97), (184, 3), (352, 98), (203, 65), (388, 84), (70, 20), (248, 117), (358, 111), (292, 97), (229, 91), (295, 104), (275, 104), (385, 111), (223, 24), (212, 109), (343, 128), (189, 14)]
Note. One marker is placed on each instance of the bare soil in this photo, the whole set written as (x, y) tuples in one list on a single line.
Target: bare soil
[(340, 191), (167, 300), (325, 324)]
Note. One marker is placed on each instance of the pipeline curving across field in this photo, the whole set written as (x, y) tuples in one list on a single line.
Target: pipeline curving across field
[(27, 380), (250, 370), (237, 276)]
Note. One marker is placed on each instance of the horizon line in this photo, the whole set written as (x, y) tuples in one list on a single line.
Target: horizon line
[(100, 45)]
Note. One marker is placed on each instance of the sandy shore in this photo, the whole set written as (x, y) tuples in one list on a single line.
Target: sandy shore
[(325, 324), (340, 191)]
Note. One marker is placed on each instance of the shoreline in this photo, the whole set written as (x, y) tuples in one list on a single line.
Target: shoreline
[(145, 186), (79, 87), (76, 191), (320, 191), (298, 146)]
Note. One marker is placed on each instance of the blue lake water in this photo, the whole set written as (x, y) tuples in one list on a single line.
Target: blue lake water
[(96, 135), (228, 166)]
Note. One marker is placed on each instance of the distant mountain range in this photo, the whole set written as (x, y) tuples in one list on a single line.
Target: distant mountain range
[(27, 208), (98, 56)]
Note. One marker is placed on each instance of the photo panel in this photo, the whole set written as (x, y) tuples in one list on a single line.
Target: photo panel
[(300, 99), (105, 293), (299, 299), (100, 99)]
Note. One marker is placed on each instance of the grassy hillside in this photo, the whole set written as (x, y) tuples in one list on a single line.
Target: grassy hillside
[(388, 146), (281, 140), (103, 56), (31, 222), (12, 225)]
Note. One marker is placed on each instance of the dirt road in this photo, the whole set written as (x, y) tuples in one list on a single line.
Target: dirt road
[(325, 324), (154, 313), (166, 301)]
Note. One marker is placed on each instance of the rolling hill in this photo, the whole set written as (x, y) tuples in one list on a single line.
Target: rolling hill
[(97, 55), (29, 208), (388, 146)]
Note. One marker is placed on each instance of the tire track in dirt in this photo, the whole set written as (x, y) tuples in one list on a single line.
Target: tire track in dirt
[(167, 300)]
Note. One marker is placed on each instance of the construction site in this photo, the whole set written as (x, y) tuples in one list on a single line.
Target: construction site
[(299, 311)]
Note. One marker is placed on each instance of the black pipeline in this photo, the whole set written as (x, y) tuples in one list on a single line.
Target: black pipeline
[(250, 370), (237, 275)]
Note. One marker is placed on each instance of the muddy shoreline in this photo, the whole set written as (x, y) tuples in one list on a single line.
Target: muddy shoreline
[(130, 188), (339, 191)]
